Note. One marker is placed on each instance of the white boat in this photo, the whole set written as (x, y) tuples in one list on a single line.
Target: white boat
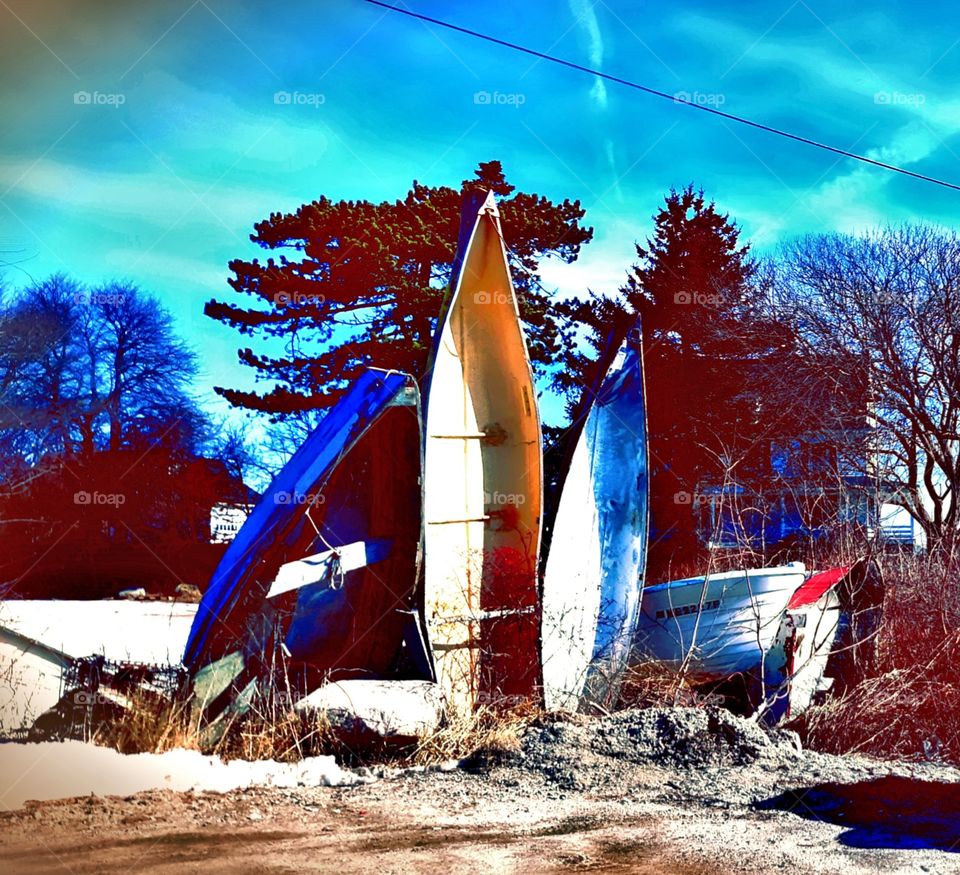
[(597, 556), (482, 480), (716, 626), (40, 639)]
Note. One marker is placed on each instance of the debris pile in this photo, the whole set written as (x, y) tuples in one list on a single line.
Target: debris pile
[(578, 752)]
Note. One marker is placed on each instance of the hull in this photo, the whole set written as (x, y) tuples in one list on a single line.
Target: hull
[(482, 481), (39, 639), (818, 641), (721, 625), (594, 571), (795, 668), (320, 581)]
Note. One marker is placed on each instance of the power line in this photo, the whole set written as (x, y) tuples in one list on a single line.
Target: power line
[(662, 94)]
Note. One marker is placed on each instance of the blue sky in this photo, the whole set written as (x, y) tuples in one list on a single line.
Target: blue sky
[(183, 144)]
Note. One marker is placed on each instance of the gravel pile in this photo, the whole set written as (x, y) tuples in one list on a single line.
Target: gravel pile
[(580, 752)]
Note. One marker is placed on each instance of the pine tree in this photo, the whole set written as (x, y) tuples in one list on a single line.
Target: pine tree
[(692, 287), (350, 284)]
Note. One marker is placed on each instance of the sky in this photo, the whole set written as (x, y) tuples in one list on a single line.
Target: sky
[(142, 142)]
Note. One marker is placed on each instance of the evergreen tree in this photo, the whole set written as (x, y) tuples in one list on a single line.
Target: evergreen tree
[(355, 283), (693, 289)]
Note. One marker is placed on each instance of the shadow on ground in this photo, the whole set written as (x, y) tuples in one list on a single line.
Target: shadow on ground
[(892, 812)]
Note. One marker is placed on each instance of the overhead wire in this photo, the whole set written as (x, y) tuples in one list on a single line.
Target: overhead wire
[(673, 98)]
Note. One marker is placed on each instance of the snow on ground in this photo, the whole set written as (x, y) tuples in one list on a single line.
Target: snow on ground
[(54, 770)]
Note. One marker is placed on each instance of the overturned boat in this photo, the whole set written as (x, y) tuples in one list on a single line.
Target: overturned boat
[(320, 582), (714, 627), (594, 570), (482, 479)]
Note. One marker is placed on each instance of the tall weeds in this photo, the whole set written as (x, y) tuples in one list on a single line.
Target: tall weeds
[(910, 707)]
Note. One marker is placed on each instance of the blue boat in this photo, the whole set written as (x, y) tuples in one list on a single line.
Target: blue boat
[(321, 580), (593, 576)]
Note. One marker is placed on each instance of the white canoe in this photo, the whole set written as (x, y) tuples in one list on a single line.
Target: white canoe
[(594, 570), (721, 625), (482, 480)]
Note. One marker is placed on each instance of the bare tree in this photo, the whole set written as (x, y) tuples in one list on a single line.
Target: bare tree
[(84, 370), (875, 324)]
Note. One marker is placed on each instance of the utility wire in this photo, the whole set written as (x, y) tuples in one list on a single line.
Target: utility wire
[(662, 94)]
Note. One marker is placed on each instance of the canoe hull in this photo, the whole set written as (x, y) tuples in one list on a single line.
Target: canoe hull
[(482, 482), (594, 571)]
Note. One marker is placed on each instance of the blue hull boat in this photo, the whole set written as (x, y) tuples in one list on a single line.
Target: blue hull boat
[(321, 580), (594, 570)]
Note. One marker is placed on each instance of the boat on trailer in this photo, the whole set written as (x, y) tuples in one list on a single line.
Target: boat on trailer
[(482, 479), (320, 581), (593, 576), (716, 626)]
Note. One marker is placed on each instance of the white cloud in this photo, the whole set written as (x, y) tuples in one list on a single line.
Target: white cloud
[(156, 198), (587, 17)]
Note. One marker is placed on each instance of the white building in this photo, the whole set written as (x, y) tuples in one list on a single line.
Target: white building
[(226, 519)]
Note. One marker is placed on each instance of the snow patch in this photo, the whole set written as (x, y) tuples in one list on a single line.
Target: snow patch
[(54, 770)]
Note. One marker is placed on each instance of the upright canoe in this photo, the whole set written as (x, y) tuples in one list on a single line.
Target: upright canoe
[(321, 579), (482, 479), (594, 570)]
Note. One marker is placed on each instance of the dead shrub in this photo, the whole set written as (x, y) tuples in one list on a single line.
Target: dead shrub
[(906, 713), (485, 736), (147, 725), (908, 708)]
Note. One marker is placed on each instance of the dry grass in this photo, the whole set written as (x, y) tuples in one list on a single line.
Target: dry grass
[(487, 734), (908, 713), (908, 709), (655, 685), (265, 732), (148, 725), (270, 731)]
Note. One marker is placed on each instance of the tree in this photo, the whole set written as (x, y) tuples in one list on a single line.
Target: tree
[(693, 288), (356, 283), (877, 321), (83, 370), (103, 480)]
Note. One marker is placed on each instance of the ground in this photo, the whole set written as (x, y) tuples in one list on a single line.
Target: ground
[(606, 795)]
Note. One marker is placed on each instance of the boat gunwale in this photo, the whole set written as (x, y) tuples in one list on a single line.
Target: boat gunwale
[(774, 571)]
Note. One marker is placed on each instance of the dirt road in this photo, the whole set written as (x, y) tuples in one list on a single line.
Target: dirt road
[(577, 798)]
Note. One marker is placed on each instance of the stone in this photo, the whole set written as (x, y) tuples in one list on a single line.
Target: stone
[(362, 712)]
